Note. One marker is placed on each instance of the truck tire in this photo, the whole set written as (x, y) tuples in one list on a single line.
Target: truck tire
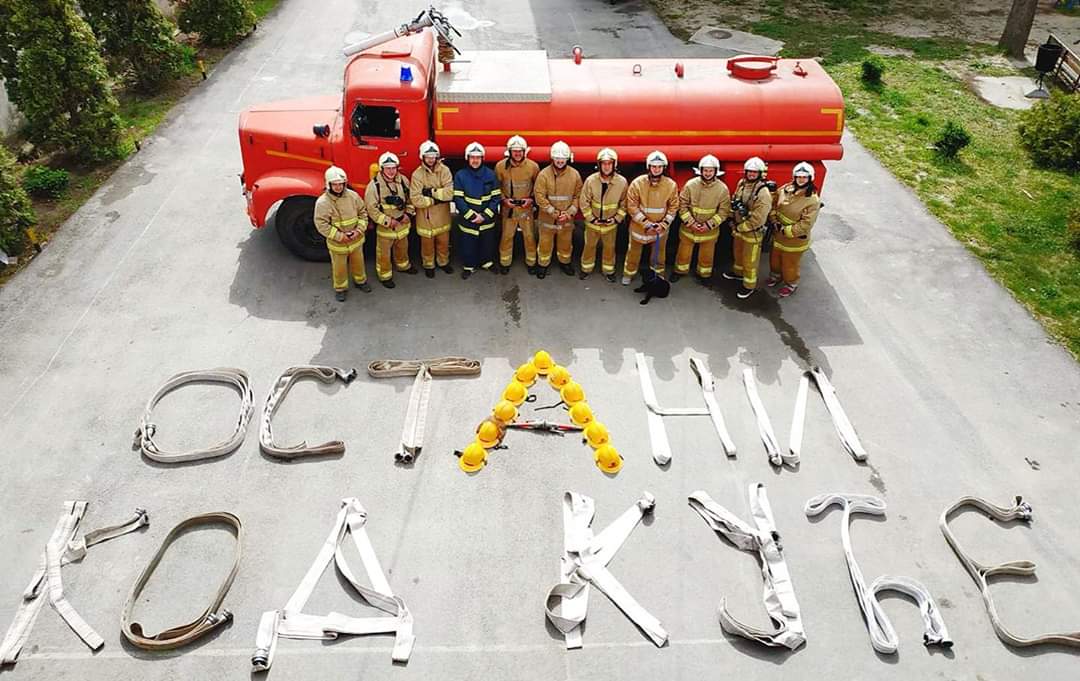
[(295, 224)]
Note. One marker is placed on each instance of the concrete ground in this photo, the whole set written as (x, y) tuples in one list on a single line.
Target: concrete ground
[(953, 387)]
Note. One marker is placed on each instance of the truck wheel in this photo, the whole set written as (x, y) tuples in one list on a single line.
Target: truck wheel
[(295, 223)]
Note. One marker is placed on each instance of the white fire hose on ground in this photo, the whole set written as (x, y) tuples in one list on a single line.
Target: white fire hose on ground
[(982, 574), (764, 540), (661, 448), (882, 635), (292, 622), (584, 564), (238, 379), (63, 548), (284, 383), (412, 434)]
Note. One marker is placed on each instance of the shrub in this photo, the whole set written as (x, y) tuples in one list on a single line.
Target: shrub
[(872, 69), (952, 138), (218, 22), (16, 213), (45, 181), (56, 77), (1050, 131), (138, 41)]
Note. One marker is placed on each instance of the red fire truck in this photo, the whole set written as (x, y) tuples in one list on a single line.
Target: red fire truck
[(409, 84)]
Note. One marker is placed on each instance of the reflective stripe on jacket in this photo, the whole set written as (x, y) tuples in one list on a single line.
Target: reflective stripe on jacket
[(516, 182), (648, 202), (381, 212), (757, 198), (432, 214), (337, 214), (796, 214), (601, 200), (556, 191), (706, 202), (476, 192)]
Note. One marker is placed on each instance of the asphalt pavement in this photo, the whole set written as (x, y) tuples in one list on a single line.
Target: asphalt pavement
[(951, 384)]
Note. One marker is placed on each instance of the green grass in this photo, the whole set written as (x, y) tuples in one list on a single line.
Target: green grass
[(838, 41), (1011, 214), (263, 7)]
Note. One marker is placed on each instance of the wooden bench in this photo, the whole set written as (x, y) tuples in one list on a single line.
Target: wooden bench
[(1068, 67)]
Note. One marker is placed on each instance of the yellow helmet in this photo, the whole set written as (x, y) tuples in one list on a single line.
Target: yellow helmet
[(489, 433), (515, 393), (581, 414), (607, 459), (473, 458), (542, 361), (525, 374), (596, 433), (504, 412), (558, 376), (572, 393)]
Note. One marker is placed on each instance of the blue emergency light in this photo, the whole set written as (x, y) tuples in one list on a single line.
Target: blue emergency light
[(406, 74)]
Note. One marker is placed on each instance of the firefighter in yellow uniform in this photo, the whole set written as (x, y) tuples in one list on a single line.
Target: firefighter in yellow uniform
[(340, 216), (388, 206), (794, 212), (704, 204), (556, 192), (432, 192), (516, 175), (603, 207), (750, 206), (652, 202)]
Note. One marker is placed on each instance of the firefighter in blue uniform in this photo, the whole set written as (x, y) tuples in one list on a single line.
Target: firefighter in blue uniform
[(477, 196)]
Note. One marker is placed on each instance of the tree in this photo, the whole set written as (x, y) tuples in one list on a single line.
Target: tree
[(57, 79), (137, 40), (16, 213), (1018, 27), (218, 22)]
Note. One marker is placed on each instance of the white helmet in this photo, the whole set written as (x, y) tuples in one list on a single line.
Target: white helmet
[(473, 149), (429, 147), (709, 161), (388, 159), (517, 142), (754, 163), (335, 174), (656, 157), (803, 168), (607, 154), (561, 151)]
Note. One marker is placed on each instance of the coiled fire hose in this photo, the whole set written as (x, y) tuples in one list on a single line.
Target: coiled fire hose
[(238, 379), (211, 618)]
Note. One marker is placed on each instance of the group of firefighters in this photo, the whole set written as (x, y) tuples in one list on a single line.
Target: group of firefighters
[(544, 204)]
